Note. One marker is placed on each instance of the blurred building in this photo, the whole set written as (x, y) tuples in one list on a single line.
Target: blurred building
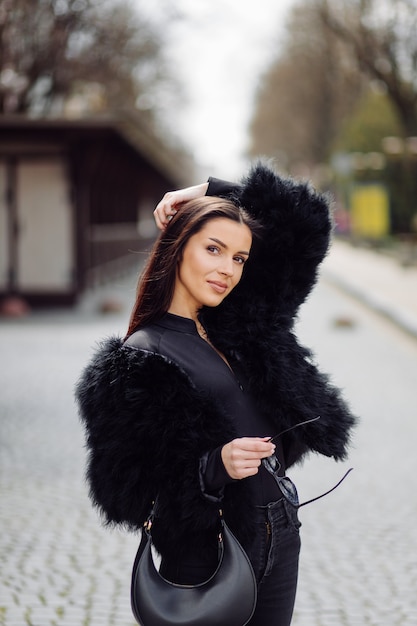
[(76, 198)]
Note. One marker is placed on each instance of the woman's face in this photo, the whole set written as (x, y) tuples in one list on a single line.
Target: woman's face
[(211, 266)]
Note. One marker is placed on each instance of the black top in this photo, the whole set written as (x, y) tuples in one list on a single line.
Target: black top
[(177, 338)]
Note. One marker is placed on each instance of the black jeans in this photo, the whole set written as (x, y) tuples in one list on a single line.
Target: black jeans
[(274, 557)]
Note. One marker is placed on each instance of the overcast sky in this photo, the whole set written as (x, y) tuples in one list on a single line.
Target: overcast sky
[(219, 50)]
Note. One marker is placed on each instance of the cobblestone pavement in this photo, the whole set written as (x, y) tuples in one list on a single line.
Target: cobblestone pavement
[(359, 558), (59, 567)]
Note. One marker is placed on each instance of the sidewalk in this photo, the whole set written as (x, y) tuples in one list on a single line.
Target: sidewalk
[(377, 280)]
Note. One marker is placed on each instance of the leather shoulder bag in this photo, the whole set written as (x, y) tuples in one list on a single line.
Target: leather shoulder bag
[(227, 598)]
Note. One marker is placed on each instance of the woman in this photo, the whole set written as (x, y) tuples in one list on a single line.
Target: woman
[(184, 408)]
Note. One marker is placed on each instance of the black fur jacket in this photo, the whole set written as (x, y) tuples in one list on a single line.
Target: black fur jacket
[(146, 424)]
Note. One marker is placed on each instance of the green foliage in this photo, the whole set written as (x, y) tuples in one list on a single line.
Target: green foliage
[(373, 119)]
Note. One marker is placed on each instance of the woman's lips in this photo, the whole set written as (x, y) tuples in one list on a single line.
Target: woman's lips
[(218, 287)]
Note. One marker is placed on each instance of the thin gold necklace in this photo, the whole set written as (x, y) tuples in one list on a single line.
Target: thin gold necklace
[(203, 334)]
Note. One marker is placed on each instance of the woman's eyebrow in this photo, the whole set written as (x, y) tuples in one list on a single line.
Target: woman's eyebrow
[(223, 245)]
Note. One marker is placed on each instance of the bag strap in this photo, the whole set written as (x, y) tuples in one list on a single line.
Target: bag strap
[(146, 532), (148, 524), (146, 535), (149, 521)]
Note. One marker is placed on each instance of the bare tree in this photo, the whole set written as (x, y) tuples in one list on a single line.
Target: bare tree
[(309, 89), (333, 50), (51, 48), (382, 35)]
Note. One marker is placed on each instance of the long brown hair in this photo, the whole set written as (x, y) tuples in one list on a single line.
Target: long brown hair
[(157, 282)]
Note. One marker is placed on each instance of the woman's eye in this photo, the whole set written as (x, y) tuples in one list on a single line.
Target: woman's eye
[(240, 259), (213, 249)]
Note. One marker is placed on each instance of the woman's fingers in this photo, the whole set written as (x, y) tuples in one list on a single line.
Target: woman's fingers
[(242, 457), (165, 209), (256, 445), (172, 201)]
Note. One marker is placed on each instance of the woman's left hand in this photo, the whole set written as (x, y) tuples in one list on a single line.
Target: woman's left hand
[(172, 200), (242, 457)]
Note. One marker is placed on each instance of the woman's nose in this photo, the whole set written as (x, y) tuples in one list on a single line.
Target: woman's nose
[(226, 267)]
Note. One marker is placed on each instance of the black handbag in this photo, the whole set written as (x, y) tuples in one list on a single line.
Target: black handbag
[(227, 598)]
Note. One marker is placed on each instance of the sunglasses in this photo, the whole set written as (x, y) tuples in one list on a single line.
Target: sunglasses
[(285, 484)]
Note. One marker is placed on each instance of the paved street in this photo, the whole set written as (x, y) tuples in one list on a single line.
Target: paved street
[(359, 560), (59, 567)]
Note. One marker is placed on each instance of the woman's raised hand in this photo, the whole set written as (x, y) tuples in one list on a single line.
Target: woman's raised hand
[(172, 200), (242, 457)]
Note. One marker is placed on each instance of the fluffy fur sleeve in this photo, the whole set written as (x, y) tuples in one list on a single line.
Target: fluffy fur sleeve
[(146, 429), (293, 390)]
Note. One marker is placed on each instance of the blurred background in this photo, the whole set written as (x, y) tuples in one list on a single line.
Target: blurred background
[(104, 106)]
